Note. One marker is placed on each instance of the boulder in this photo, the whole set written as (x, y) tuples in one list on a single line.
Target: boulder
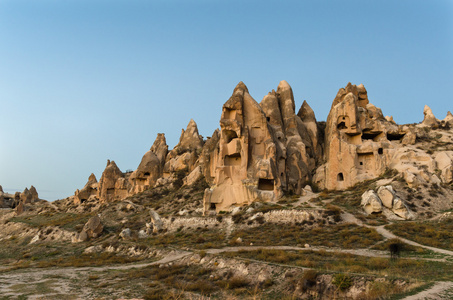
[(80, 237), (400, 209), (156, 221), (126, 233), (386, 194), (93, 227), (371, 202)]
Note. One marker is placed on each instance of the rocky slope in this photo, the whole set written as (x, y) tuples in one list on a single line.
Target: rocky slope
[(273, 201)]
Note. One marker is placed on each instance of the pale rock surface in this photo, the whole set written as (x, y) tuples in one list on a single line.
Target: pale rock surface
[(89, 190), (193, 176), (186, 152), (448, 119), (400, 209), (209, 154), (263, 149), (444, 162), (359, 141), (151, 166), (429, 120), (93, 227), (112, 185), (371, 202), (126, 233), (156, 221), (26, 196), (386, 194)]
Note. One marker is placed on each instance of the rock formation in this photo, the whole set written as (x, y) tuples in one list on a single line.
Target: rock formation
[(29, 195), (429, 120), (90, 190), (113, 184), (359, 141), (92, 229), (263, 149), (185, 153), (385, 198), (151, 167)]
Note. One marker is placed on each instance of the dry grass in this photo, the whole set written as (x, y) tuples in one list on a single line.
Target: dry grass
[(347, 236), (347, 263), (67, 221), (435, 234)]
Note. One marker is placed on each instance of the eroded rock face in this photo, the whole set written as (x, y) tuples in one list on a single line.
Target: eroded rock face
[(371, 202), (444, 162), (385, 198), (262, 149), (387, 195), (93, 228), (185, 154), (429, 119), (359, 141), (89, 190), (113, 185), (156, 221), (151, 167)]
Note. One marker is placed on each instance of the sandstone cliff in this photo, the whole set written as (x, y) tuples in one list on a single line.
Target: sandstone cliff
[(264, 150)]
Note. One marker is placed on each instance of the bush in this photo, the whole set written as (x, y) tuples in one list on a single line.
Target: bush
[(237, 282), (308, 279), (342, 281)]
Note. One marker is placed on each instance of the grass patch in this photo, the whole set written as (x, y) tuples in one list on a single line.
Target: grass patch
[(348, 236), (200, 238), (409, 269), (193, 278), (67, 221), (435, 234)]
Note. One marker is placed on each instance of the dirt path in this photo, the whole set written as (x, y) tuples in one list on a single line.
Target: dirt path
[(384, 232), (439, 291), (53, 283), (347, 217)]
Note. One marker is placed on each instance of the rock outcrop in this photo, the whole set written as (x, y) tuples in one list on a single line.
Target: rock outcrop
[(113, 185), (90, 190), (263, 150), (429, 120), (359, 141), (371, 202), (385, 198), (151, 167), (92, 229), (185, 154)]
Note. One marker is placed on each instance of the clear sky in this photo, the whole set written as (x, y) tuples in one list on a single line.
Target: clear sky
[(83, 81)]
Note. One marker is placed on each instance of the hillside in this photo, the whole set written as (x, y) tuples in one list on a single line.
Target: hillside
[(274, 205)]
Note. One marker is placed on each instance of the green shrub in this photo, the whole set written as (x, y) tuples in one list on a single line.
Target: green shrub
[(342, 281)]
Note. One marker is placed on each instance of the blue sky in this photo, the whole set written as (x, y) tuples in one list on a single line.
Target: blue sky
[(86, 81)]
